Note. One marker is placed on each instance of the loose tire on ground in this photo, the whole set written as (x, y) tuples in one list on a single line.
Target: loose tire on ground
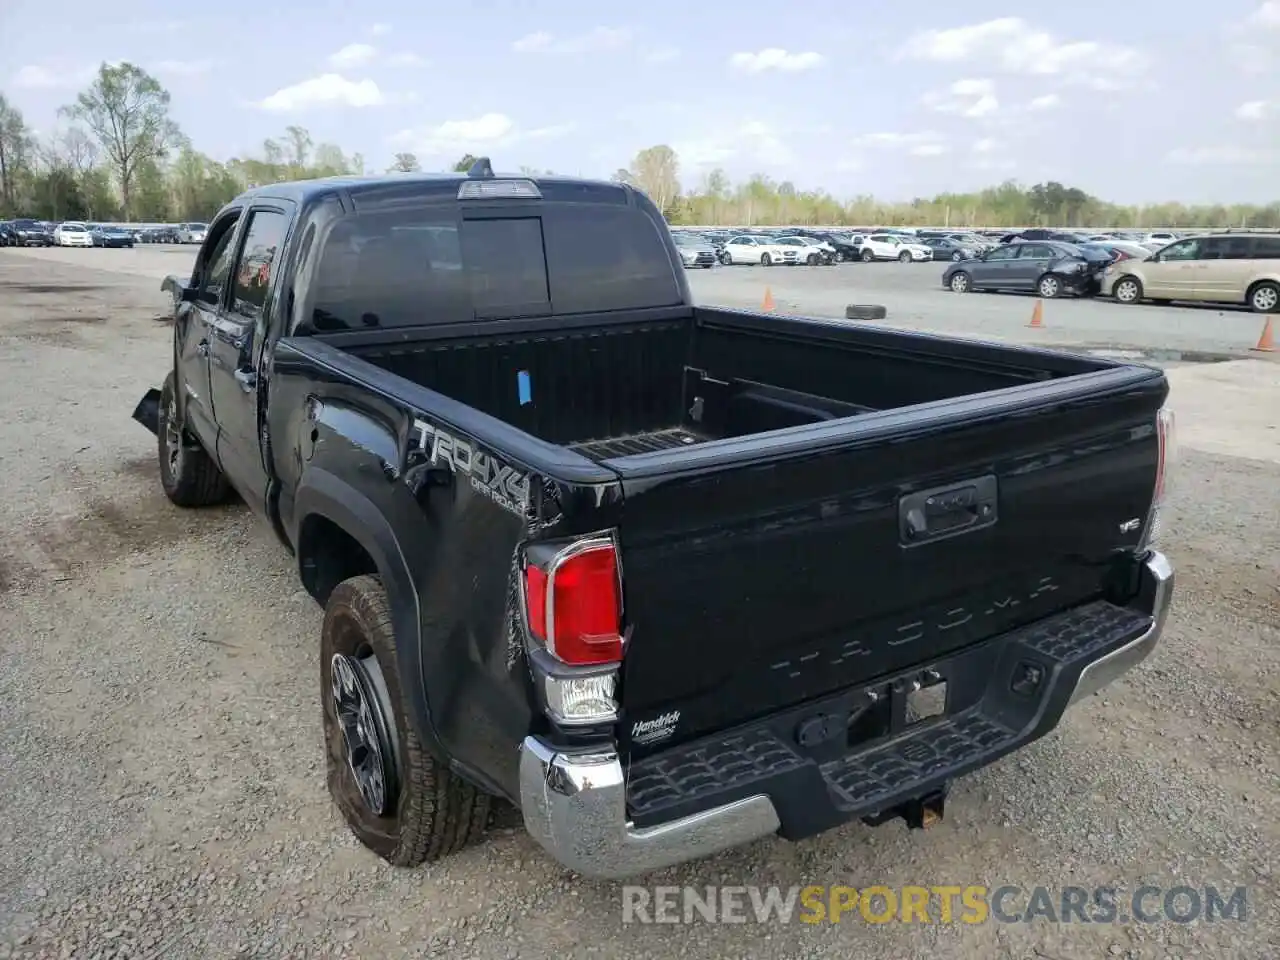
[(430, 812), (865, 311), (188, 474)]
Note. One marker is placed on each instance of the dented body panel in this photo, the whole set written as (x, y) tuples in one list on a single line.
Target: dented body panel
[(789, 545)]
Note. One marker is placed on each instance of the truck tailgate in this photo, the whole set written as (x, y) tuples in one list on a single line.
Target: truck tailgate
[(765, 571)]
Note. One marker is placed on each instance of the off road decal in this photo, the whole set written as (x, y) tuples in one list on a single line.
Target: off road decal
[(498, 481)]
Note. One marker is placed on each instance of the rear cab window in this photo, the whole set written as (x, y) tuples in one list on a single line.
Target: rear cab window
[(436, 264)]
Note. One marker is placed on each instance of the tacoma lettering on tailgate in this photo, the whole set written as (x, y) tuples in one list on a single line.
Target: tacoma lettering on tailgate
[(498, 481)]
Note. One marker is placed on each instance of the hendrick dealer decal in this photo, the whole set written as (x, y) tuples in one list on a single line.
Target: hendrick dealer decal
[(659, 728), (498, 481)]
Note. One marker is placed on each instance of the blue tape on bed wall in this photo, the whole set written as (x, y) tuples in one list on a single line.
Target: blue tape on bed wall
[(524, 387)]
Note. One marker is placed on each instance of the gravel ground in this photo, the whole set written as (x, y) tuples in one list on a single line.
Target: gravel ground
[(161, 773)]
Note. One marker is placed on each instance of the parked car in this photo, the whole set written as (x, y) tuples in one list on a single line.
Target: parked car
[(694, 250), (72, 234), (191, 232), (111, 237), (1117, 249), (692, 612), (747, 248), (944, 248), (1226, 267), (1046, 267), (32, 233), (8, 236), (812, 252), (889, 246)]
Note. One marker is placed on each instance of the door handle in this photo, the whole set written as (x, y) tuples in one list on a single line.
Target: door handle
[(202, 348), (248, 379)]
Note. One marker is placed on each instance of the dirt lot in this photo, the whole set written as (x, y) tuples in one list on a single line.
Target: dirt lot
[(160, 760)]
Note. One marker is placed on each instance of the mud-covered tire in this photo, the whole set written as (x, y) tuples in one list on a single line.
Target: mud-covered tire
[(188, 474), (431, 813)]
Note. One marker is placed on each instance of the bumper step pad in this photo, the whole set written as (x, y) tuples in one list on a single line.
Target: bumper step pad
[(988, 722)]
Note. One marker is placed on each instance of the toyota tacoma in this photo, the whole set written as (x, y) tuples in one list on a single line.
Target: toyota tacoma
[(668, 578)]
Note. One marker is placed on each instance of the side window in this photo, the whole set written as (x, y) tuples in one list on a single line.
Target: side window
[(1004, 253), (253, 273), (218, 266), (1186, 250), (1266, 247), (1228, 248), (1034, 251)]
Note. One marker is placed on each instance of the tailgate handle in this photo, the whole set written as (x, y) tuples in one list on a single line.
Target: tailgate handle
[(957, 508)]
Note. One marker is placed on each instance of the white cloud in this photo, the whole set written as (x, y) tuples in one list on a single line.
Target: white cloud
[(662, 54), (929, 150), (1223, 155), (1255, 110), (326, 90), (379, 29), (1267, 16), (985, 145), (353, 55), (1012, 44), (1046, 102), (406, 59), (890, 139), (775, 58), (601, 38), (183, 68), (40, 77), (479, 133), (965, 98), (752, 141)]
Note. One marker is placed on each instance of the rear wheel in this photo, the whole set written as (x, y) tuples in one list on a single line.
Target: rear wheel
[(398, 800), (1127, 290), (867, 256), (188, 474), (1264, 297), (1049, 286)]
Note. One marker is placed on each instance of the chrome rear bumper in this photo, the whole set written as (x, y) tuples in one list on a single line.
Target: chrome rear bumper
[(575, 804)]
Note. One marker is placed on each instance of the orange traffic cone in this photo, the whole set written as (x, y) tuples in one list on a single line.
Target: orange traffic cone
[(768, 303), (1037, 315), (1266, 342)]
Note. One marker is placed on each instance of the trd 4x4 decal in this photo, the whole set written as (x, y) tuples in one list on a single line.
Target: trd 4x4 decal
[(498, 481)]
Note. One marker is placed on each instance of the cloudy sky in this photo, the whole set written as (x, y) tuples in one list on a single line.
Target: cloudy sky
[(1134, 102)]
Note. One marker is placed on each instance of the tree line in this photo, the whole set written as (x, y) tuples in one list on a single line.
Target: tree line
[(118, 156)]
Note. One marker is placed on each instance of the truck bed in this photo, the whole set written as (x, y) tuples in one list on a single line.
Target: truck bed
[(621, 389)]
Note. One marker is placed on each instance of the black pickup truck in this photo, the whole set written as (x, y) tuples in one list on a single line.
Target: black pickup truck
[(669, 578)]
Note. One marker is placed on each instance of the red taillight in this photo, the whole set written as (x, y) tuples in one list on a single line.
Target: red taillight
[(574, 603)]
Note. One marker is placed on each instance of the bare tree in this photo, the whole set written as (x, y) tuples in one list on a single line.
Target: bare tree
[(127, 111), (299, 146), (405, 163), (78, 150), (15, 144), (656, 171)]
